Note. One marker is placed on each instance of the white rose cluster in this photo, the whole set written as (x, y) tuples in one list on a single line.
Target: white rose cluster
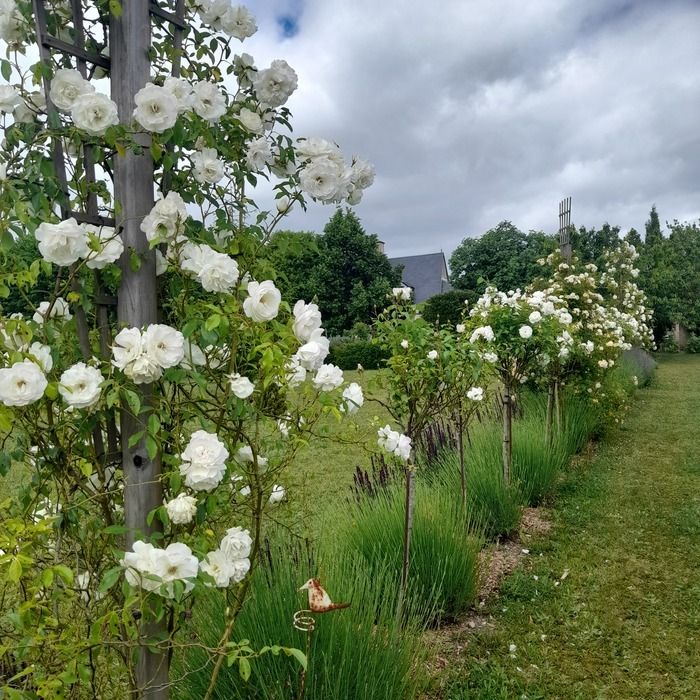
[(216, 272), (68, 241), (401, 293), (230, 562), (234, 20), (10, 21), (166, 220), (143, 356), (181, 509), (314, 345), (154, 569), (59, 309), (394, 442), (326, 177), (203, 461), (90, 111)]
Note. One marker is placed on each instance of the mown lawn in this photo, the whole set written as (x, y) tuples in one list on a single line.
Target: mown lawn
[(607, 605)]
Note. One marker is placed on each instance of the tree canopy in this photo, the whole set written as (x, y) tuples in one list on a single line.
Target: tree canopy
[(504, 256)]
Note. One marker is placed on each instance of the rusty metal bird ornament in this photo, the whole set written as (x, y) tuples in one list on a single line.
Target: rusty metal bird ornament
[(319, 600)]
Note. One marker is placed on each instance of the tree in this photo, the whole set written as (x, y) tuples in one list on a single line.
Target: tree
[(590, 245), (504, 257), (294, 255), (653, 229), (633, 238), (447, 309), (353, 277)]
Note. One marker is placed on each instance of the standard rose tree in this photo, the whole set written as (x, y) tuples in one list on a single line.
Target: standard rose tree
[(220, 388)]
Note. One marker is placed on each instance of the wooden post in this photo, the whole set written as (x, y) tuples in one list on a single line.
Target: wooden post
[(130, 39), (564, 228), (507, 432)]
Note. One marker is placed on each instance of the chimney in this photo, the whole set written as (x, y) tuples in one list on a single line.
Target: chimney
[(380, 246)]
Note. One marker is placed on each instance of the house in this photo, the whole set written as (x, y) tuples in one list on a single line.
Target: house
[(426, 274)]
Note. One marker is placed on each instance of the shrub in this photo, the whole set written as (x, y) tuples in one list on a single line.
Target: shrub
[(446, 309), (367, 651), (348, 353), (669, 344), (693, 345), (444, 547)]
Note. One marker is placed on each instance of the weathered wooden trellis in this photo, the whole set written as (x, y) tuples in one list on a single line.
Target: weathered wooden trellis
[(564, 228), (127, 33)]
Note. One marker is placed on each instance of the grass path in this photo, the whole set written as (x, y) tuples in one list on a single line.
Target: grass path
[(624, 622)]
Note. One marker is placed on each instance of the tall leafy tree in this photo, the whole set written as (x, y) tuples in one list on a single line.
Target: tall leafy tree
[(653, 228), (504, 256), (294, 254), (590, 244), (353, 277)]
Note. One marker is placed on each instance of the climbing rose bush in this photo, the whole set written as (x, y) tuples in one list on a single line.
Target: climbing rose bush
[(224, 389)]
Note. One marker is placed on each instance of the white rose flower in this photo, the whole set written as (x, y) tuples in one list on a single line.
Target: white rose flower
[(258, 155), (565, 318), (217, 272), (263, 301), (241, 387), (156, 108), (164, 345), (244, 455), (140, 564), (490, 357), (525, 332), (312, 354), (143, 370), (194, 356), (328, 377), (460, 328), (283, 204), (476, 393), (94, 113), (325, 180), (307, 319), (219, 567), (59, 309), (41, 354), (161, 263), (166, 220), (81, 385), (208, 101), (27, 112), (485, 332), (404, 344), (240, 568), (127, 347), (212, 12), (10, 21), (547, 308), (9, 98), (296, 373), (236, 544), (207, 167), (182, 91), (401, 293), (315, 147), (277, 496), (175, 563), (203, 461), (67, 85), (403, 449), (62, 244), (251, 120), (354, 398), (22, 383), (361, 173), (110, 249), (535, 317), (244, 69), (274, 85), (182, 509), (433, 355), (387, 438), (238, 22)]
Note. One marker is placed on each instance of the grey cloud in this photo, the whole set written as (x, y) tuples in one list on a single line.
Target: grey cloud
[(474, 112)]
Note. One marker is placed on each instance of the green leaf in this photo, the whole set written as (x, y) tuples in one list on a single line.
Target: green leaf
[(244, 668), (212, 322), (14, 573), (115, 7), (110, 577), (6, 69), (64, 573), (151, 447), (298, 654)]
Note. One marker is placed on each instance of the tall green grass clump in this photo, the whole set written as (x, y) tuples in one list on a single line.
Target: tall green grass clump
[(365, 651), (490, 502), (444, 547)]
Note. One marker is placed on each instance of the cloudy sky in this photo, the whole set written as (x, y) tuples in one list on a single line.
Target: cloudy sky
[(475, 111)]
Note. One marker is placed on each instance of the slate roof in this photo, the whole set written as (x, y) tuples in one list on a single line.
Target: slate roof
[(426, 274)]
